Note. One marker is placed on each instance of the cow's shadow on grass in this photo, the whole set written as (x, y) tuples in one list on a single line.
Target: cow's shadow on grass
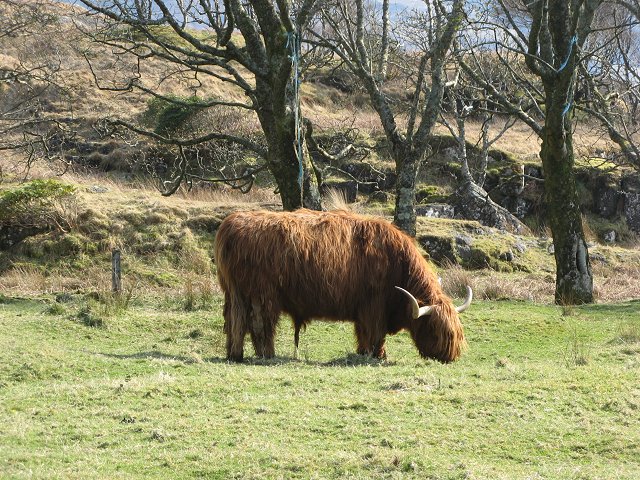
[(152, 355), (349, 360)]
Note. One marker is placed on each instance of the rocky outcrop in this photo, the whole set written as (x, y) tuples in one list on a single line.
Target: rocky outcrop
[(473, 203), (370, 178), (474, 252), (13, 234), (632, 210)]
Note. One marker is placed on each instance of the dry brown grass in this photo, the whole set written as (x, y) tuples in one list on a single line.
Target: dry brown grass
[(229, 196), (491, 285), (617, 283), (612, 283), (589, 234), (27, 279)]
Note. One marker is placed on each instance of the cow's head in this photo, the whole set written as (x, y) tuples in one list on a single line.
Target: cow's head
[(436, 329)]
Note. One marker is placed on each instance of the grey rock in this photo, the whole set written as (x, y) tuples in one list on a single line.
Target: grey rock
[(435, 210), (607, 198), (533, 171), (12, 234), (379, 196), (472, 203), (464, 240), (520, 247), (463, 247), (551, 249), (440, 249), (97, 189), (507, 256), (610, 236), (631, 184)]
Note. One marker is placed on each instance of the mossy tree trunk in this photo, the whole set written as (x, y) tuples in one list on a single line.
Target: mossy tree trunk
[(555, 41), (574, 280), (407, 164), (279, 114), (296, 181), (558, 32)]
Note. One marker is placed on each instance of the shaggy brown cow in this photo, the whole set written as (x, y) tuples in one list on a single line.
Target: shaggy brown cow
[(331, 265)]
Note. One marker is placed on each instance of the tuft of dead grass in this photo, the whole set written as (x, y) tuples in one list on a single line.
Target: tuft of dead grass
[(455, 280), (628, 332), (501, 289), (197, 292), (335, 199)]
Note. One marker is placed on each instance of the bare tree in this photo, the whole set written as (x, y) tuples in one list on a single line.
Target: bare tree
[(345, 32), (252, 46)]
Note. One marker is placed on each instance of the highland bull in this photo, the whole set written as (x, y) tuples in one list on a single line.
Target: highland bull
[(335, 266)]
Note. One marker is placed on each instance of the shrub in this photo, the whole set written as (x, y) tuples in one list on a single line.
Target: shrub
[(90, 318), (166, 116), (577, 353), (55, 309), (39, 203)]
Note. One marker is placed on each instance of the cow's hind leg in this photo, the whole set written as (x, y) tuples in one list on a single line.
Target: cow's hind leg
[(371, 332), (236, 325), (264, 318)]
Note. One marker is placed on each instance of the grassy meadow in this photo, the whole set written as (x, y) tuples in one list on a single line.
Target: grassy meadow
[(97, 387)]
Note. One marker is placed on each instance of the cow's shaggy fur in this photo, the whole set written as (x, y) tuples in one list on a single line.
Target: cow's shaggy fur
[(330, 265)]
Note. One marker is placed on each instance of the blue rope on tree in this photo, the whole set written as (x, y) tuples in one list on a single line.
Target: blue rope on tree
[(573, 41), (293, 45)]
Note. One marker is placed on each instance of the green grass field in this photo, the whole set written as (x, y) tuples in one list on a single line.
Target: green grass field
[(541, 392)]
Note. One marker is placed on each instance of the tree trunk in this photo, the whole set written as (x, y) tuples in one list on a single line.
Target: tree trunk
[(407, 164), (574, 281), (284, 165), (297, 184)]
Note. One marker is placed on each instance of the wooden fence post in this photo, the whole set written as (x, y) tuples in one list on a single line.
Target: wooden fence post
[(116, 273)]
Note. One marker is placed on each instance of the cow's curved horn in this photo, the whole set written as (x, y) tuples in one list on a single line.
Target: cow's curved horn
[(417, 310), (467, 301)]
